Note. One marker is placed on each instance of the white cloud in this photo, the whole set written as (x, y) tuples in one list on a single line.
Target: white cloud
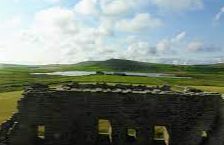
[(141, 22), (219, 14), (9, 28), (70, 38), (11, 23), (198, 46), (121, 7), (55, 19), (116, 7), (109, 8), (163, 46), (179, 37), (16, 1), (106, 27), (54, 1), (139, 50), (178, 5), (179, 44), (91, 30), (142, 50), (166, 45), (48, 1), (219, 60), (194, 46), (57, 36), (87, 7)]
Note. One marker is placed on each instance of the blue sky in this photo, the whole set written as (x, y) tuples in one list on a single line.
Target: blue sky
[(71, 31)]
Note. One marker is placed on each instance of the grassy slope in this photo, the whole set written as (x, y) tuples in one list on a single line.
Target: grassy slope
[(14, 77), (134, 66), (8, 103)]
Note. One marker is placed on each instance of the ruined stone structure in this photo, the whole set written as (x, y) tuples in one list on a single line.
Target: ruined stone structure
[(133, 115)]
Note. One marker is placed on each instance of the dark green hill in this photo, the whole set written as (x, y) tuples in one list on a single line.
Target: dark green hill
[(129, 65), (121, 65)]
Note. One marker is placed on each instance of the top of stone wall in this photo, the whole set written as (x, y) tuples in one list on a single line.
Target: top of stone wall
[(123, 88)]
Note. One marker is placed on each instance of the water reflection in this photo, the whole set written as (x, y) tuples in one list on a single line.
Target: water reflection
[(86, 73)]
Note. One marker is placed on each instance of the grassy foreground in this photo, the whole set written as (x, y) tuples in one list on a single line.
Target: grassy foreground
[(8, 103), (211, 89)]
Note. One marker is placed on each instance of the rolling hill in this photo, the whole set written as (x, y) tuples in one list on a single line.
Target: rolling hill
[(131, 66), (13, 77)]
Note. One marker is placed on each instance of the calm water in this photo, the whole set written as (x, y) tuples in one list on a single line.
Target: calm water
[(68, 73), (86, 73)]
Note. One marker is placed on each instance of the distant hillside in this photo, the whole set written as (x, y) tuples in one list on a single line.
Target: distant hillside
[(121, 65), (13, 77), (129, 65)]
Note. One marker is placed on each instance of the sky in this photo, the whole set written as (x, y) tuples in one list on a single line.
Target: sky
[(72, 31)]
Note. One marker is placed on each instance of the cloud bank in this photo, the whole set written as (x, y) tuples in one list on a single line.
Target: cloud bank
[(97, 30)]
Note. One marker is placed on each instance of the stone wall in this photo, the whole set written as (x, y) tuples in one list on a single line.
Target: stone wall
[(70, 115)]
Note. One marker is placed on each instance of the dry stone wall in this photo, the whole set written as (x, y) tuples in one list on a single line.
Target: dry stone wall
[(70, 115)]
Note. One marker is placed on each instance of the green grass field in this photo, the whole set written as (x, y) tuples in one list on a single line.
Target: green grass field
[(211, 89), (8, 103), (13, 77)]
